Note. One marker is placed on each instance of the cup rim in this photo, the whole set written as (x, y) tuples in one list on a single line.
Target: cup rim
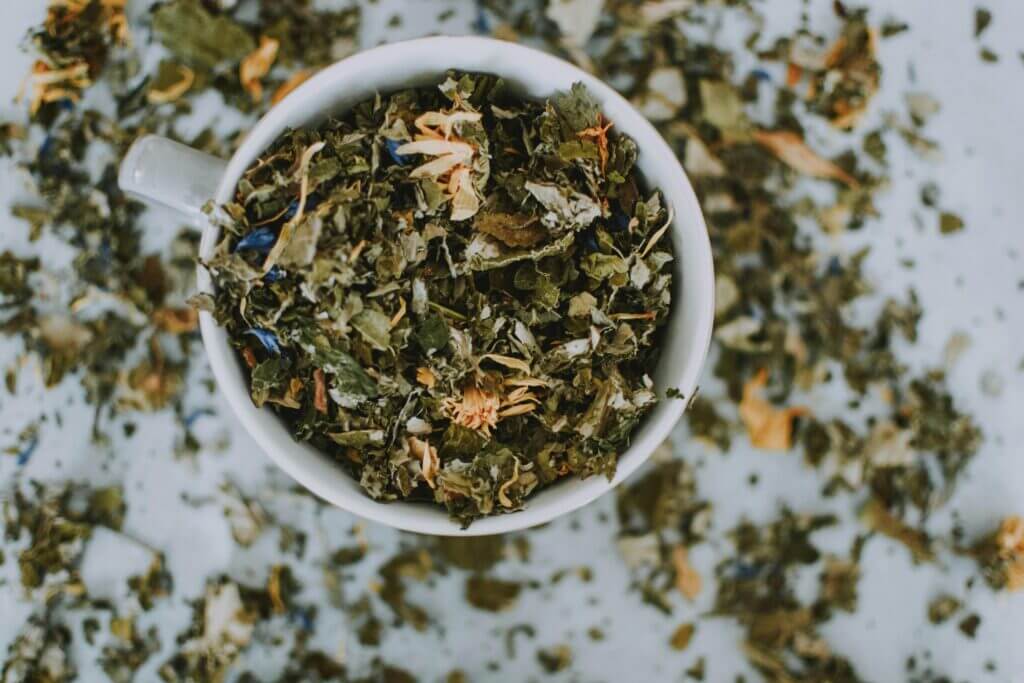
[(316, 473)]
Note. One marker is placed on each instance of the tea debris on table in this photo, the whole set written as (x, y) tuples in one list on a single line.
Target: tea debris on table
[(118, 332)]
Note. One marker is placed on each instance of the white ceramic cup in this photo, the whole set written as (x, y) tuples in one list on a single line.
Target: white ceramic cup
[(177, 176)]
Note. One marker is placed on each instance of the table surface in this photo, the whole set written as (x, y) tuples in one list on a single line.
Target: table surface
[(970, 282)]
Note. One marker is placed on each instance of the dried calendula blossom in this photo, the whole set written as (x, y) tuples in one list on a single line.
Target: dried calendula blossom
[(838, 80), (256, 65), (852, 73), (454, 291), (452, 166), (74, 43), (768, 427), (53, 84)]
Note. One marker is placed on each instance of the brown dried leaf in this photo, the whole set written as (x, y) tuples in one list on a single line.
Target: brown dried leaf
[(877, 518)]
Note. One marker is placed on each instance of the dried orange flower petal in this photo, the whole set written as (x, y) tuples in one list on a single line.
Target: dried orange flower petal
[(293, 82), (256, 65), (175, 91), (794, 152), (430, 462), (426, 377), (688, 579), (768, 427)]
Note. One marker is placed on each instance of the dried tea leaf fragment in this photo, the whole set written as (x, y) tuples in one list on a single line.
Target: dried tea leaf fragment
[(198, 37), (491, 595), (877, 518), (576, 19), (682, 636), (942, 608), (664, 94)]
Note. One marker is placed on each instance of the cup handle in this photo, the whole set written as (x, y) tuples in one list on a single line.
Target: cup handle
[(166, 172)]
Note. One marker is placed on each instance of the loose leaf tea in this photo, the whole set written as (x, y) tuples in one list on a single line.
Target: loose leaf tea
[(790, 135), (454, 291)]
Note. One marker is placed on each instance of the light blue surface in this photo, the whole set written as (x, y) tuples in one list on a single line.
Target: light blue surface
[(970, 282)]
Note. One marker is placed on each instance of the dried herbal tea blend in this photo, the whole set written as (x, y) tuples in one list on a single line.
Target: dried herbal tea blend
[(794, 134), (453, 290)]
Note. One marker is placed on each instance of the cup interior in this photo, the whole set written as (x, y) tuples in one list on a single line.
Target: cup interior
[(538, 75)]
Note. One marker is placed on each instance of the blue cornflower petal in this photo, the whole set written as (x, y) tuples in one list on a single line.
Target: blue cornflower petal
[(744, 571), (46, 147), (194, 416), (26, 453), (267, 338), (393, 146), (834, 266), (273, 275), (589, 241), (620, 221), (481, 24), (293, 209), (105, 252), (260, 240), (304, 617)]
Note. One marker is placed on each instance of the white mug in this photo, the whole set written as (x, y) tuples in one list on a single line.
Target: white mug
[(182, 178)]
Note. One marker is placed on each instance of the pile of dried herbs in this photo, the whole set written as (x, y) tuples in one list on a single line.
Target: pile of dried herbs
[(782, 137), (454, 291)]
